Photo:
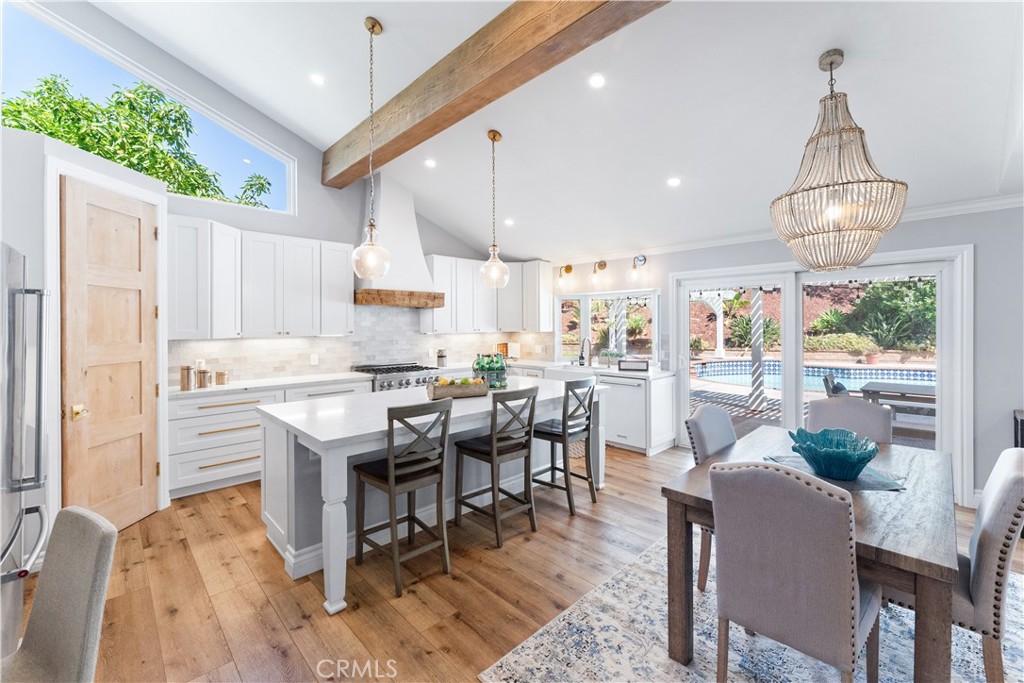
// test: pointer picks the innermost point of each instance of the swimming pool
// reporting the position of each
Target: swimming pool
(737, 372)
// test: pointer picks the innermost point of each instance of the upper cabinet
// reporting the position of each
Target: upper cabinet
(226, 283)
(524, 305)
(538, 297)
(188, 269)
(337, 290)
(510, 301)
(262, 284)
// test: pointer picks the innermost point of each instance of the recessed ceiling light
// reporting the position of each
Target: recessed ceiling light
(674, 182)
(596, 80)
(430, 163)
(317, 79)
(246, 161)
(509, 222)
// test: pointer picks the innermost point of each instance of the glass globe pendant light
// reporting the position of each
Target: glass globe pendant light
(494, 272)
(839, 205)
(371, 260)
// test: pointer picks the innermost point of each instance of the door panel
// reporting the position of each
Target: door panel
(108, 352)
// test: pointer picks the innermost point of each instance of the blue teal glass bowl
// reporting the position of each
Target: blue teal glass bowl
(834, 453)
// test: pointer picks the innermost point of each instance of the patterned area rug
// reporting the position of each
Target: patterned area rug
(618, 632)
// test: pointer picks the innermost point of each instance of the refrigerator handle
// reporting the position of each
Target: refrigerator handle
(38, 478)
(44, 530)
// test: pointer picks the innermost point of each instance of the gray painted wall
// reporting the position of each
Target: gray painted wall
(998, 239)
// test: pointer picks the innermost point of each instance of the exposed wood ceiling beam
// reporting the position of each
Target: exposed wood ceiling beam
(519, 44)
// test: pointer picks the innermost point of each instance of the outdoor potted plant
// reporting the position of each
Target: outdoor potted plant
(697, 346)
(871, 354)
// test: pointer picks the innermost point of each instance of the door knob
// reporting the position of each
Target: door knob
(78, 411)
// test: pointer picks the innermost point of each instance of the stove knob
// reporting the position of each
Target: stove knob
(390, 384)
(381, 385)
(407, 382)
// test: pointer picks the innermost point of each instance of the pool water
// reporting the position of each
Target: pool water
(737, 372)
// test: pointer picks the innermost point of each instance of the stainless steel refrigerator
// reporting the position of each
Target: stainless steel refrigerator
(23, 312)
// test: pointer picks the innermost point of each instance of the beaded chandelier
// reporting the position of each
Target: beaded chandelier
(839, 205)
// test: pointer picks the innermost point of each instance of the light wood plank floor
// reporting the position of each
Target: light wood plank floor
(198, 593)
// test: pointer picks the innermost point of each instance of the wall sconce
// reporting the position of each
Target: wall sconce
(594, 276)
(564, 273)
(638, 263)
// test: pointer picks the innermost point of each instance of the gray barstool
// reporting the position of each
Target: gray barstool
(577, 410)
(514, 411)
(415, 465)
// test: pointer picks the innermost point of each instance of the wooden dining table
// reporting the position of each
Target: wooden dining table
(905, 539)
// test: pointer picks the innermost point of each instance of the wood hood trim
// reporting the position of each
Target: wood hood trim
(400, 298)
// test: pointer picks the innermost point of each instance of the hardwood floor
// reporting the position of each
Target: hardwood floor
(197, 593)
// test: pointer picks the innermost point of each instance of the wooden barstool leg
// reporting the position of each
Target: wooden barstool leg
(552, 471)
(568, 477)
(590, 471)
(410, 505)
(360, 517)
(528, 491)
(442, 529)
(496, 499)
(458, 488)
(393, 511)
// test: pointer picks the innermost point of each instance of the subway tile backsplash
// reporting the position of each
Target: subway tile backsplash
(382, 335)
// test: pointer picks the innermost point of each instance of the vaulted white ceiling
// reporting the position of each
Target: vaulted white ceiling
(721, 95)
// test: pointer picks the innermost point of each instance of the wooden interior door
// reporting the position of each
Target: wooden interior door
(108, 352)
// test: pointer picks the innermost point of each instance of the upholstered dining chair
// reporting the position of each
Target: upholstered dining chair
(984, 572)
(865, 418)
(710, 430)
(418, 464)
(787, 565)
(62, 638)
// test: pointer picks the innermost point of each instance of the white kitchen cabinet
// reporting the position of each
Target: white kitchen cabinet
(327, 391)
(465, 284)
(337, 290)
(188, 285)
(301, 287)
(225, 281)
(485, 303)
(510, 301)
(538, 297)
(441, 320)
(262, 284)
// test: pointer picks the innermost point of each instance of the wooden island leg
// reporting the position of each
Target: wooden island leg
(680, 584)
(933, 629)
(334, 490)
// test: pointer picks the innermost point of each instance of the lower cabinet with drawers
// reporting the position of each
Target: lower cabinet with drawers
(216, 441)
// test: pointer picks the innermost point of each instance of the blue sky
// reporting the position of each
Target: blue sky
(32, 50)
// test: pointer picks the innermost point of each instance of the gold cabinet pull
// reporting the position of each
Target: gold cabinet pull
(227, 462)
(331, 393)
(228, 405)
(228, 429)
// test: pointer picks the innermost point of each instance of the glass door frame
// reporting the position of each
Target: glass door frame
(953, 268)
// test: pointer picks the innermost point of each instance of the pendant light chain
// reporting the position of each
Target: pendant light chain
(372, 188)
(494, 191)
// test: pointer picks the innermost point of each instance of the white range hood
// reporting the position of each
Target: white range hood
(407, 282)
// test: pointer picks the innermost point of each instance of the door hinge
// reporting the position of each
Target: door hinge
(158, 469)
(158, 390)
(156, 312)
(156, 233)
(62, 413)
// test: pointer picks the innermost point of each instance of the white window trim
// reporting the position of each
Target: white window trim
(114, 56)
(953, 267)
(585, 299)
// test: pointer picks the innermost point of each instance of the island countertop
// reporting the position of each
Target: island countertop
(329, 422)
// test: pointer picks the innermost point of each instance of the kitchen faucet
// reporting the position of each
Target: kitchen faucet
(585, 355)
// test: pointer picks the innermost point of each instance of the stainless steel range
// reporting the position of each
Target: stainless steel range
(389, 376)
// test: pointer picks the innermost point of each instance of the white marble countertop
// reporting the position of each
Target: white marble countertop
(272, 382)
(328, 422)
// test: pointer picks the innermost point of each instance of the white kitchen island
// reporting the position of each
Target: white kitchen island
(308, 450)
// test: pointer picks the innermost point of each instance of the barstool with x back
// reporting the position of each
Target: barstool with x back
(577, 411)
(514, 411)
(406, 468)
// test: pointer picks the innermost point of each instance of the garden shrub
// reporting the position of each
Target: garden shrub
(832, 321)
(741, 335)
(901, 314)
(845, 341)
